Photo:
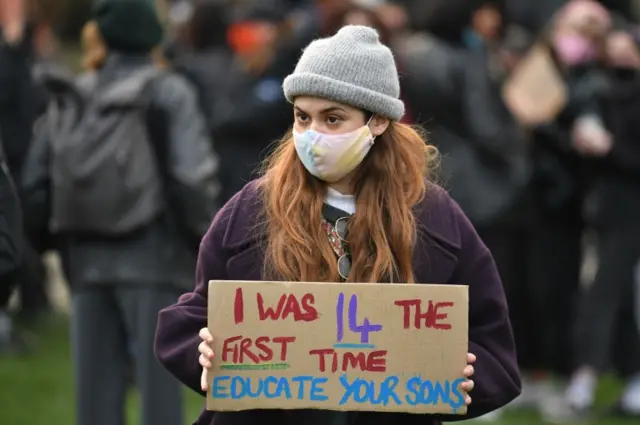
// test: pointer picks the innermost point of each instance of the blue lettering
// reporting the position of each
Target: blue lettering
(238, 387)
(388, 390)
(255, 394)
(441, 391)
(348, 390)
(217, 390)
(301, 380)
(416, 391)
(269, 387)
(413, 387)
(270, 380)
(317, 392)
(431, 393)
(457, 394)
(361, 391)
(283, 387)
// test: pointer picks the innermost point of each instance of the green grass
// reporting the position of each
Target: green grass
(38, 389)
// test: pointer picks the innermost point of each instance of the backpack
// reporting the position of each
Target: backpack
(104, 173)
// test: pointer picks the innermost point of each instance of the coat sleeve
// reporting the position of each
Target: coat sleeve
(497, 377)
(177, 340)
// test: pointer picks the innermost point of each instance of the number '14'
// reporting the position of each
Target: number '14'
(352, 313)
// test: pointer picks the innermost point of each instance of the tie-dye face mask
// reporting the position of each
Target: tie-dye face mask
(330, 157)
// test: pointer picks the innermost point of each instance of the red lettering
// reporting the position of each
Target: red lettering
(266, 351)
(283, 341)
(261, 350)
(226, 350)
(377, 361)
(406, 310)
(292, 307)
(288, 305)
(245, 351)
(270, 312)
(374, 361)
(310, 312)
(441, 316)
(321, 356)
(432, 317)
(238, 307)
(353, 360)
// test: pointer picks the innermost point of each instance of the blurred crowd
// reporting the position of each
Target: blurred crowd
(532, 105)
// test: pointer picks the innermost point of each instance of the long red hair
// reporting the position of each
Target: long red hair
(382, 234)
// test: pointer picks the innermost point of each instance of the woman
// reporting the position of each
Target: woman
(347, 157)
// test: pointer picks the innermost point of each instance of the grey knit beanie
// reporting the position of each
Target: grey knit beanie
(353, 68)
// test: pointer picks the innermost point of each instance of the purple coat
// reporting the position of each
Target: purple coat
(448, 251)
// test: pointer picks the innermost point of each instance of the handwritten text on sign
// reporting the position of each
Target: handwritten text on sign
(394, 348)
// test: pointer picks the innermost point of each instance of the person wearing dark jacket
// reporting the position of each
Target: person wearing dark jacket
(11, 248)
(203, 55)
(345, 91)
(251, 113)
(21, 102)
(453, 88)
(119, 283)
(617, 223)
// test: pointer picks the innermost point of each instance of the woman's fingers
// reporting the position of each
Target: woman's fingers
(206, 354)
(205, 335)
(205, 349)
(467, 400)
(204, 361)
(204, 379)
(471, 358)
(468, 385)
(468, 371)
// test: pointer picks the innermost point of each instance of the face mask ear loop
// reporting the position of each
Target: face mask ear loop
(367, 124)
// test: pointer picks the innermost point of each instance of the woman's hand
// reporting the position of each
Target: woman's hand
(206, 354)
(468, 372)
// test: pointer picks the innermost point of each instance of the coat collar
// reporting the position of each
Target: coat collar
(435, 222)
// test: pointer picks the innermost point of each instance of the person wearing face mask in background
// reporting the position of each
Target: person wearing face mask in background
(558, 189)
(617, 224)
(567, 154)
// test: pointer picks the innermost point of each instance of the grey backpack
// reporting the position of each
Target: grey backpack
(104, 169)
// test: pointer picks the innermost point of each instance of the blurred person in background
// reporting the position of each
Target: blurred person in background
(23, 42)
(559, 189)
(452, 84)
(566, 155)
(203, 55)
(121, 277)
(11, 247)
(617, 223)
(250, 113)
(564, 163)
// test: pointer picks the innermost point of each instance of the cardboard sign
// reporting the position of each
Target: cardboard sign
(535, 92)
(333, 346)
